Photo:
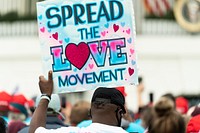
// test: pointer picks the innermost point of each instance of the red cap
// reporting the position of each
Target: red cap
(31, 103)
(194, 125)
(182, 105)
(17, 104)
(5, 100)
(122, 90)
(19, 99)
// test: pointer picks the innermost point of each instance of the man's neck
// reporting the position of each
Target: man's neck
(104, 120)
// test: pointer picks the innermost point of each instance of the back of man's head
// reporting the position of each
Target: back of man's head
(108, 102)
(109, 95)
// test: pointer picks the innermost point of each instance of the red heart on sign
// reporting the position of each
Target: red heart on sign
(77, 54)
(130, 71)
(42, 29)
(55, 36)
(116, 27)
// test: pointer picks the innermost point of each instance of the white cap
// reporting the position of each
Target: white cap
(53, 104)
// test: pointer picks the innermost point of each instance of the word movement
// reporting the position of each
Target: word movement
(90, 78)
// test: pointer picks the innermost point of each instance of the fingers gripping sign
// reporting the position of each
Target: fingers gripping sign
(46, 86)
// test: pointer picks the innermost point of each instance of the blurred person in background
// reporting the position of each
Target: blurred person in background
(18, 111)
(140, 90)
(194, 110)
(80, 113)
(171, 97)
(130, 126)
(66, 110)
(5, 100)
(2, 125)
(15, 126)
(53, 113)
(146, 117)
(140, 122)
(165, 118)
(141, 105)
(182, 105)
(31, 108)
(194, 125)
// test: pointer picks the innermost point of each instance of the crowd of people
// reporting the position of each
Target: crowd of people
(106, 113)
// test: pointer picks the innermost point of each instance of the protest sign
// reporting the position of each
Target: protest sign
(88, 43)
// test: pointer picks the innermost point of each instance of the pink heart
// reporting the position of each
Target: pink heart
(130, 71)
(55, 35)
(132, 51)
(128, 31)
(103, 33)
(60, 41)
(42, 29)
(116, 27)
(91, 66)
(77, 54)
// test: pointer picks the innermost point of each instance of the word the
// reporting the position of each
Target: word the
(89, 33)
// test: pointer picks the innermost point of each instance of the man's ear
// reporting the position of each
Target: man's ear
(119, 111)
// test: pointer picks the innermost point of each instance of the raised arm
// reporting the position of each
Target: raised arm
(140, 89)
(39, 116)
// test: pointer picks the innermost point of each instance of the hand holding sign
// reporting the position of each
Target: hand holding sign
(46, 86)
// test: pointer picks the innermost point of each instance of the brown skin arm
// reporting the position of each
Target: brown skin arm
(39, 116)
(140, 89)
